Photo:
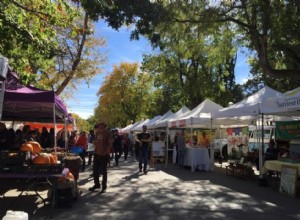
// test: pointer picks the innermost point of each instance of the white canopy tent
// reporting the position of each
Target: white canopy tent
(250, 106)
(248, 111)
(136, 125)
(199, 117)
(163, 123)
(139, 127)
(288, 104)
(166, 115)
(126, 129)
(245, 112)
(153, 120)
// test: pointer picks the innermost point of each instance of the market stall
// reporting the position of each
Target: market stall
(31, 162)
(162, 123)
(198, 118)
(196, 158)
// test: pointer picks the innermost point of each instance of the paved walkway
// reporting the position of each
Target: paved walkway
(167, 193)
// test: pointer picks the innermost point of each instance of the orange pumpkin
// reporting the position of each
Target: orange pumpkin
(36, 147)
(70, 176)
(66, 173)
(26, 147)
(42, 158)
(53, 158)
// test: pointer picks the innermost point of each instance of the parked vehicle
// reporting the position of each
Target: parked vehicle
(255, 137)
(220, 143)
(220, 148)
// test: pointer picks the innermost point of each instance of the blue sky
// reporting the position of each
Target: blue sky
(121, 49)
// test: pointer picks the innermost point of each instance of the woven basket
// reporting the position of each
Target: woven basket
(73, 163)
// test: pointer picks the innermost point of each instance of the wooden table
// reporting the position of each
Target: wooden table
(276, 165)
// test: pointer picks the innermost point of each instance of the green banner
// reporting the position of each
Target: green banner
(286, 130)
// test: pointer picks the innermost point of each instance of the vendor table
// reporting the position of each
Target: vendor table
(277, 164)
(195, 158)
(34, 181)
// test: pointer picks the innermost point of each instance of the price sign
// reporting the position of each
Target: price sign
(288, 180)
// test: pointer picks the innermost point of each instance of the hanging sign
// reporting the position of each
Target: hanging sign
(286, 130)
(182, 123)
(173, 124)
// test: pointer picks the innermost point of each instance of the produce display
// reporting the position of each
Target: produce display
(32, 158)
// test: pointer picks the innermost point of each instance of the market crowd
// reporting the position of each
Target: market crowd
(123, 143)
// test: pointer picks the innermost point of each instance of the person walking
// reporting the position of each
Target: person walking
(181, 148)
(117, 145)
(82, 141)
(126, 144)
(144, 139)
(103, 143)
(91, 149)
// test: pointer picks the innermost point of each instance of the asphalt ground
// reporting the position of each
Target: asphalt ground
(165, 193)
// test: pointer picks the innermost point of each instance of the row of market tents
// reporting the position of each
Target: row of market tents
(208, 114)
(266, 104)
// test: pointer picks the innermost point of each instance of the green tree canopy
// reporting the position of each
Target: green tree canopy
(124, 96)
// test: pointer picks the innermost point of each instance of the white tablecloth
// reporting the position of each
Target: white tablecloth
(195, 158)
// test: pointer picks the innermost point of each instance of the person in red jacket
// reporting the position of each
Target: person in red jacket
(82, 141)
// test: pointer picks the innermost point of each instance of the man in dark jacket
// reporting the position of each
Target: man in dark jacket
(144, 139)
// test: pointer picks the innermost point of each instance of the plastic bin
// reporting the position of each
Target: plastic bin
(15, 215)
(76, 150)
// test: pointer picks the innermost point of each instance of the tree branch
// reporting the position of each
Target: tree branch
(37, 13)
(77, 59)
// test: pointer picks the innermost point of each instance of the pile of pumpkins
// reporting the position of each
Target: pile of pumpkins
(39, 158)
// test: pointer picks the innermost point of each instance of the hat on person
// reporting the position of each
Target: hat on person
(99, 124)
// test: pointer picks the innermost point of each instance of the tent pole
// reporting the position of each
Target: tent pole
(212, 153)
(167, 151)
(66, 133)
(55, 128)
(191, 137)
(261, 180)
(261, 147)
(2, 98)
